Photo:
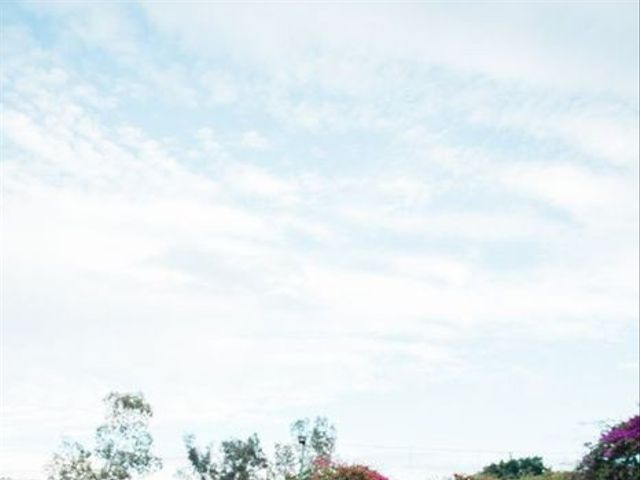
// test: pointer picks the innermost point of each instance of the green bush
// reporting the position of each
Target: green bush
(516, 468)
(544, 476)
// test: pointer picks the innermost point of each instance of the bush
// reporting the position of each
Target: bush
(616, 455)
(545, 476)
(328, 471)
(357, 472)
(516, 468)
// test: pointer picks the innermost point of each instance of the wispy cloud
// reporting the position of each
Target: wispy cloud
(248, 216)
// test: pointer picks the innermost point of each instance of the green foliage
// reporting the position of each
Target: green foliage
(616, 455)
(516, 468)
(124, 442)
(123, 451)
(123, 445)
(284, 461)
(245, 459)
(544, 476)
(242, 459)
(201, 461)
(237, 460)
(72, 462)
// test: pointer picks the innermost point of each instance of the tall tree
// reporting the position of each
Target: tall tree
(285, 465)
(201, 460)
(237, 460)
(72, 462)
(242, 459)
(123, 445)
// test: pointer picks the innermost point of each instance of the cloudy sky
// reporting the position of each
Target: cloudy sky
(420, 220)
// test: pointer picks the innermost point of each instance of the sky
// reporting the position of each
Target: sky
(417, 219)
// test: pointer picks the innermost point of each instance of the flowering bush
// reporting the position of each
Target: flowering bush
(616, 456)
(357, 472)
(622, 439)
(329, 471)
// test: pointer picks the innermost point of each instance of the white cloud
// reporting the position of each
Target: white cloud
(254, 141)
(609, 136)
(221, 87)
(604, 200)
(288, 280)
(517, 48)
(209, 142)
(613, 139)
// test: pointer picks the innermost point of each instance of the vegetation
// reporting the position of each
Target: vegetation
(239, 460)
(330, 471)
(516, 468)
(616, 455)
(123, 451)
(123, 445)
(544, 476)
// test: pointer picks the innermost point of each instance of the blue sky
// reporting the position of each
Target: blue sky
(420, 220)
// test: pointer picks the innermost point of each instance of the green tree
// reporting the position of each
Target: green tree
(516, 468)
(285, 461)
(123, 445)
(242, 459)
(72, 462)
(201, 460)
(238, 460)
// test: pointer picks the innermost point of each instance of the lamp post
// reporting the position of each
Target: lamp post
(302, 441)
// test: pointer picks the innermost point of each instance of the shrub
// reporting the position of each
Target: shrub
(327, 471)
(516, 468)
(616, 455)
(545, 476)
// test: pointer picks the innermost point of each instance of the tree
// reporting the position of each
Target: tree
(242, 459)
(72, 462)
(616, 455)
(516, 468)
(312, 444)
(201, 461)
(123, 445)
(238, 460)
(285, 461)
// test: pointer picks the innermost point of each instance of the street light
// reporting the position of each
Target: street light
(302, 441)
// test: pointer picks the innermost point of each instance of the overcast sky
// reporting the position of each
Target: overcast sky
(420, 220)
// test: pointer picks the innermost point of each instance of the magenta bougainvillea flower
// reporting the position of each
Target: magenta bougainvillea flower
(622, 439)
(629, 430)
(357, 472)
(325, 469)
(616, 455)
